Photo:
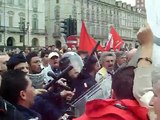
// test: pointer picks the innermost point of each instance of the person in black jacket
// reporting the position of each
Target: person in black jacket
(16, 87)
(8, 111)
(86, 78)
(53, 105)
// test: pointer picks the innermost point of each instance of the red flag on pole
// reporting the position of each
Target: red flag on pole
(94, 43)
(109, 44)
(87, 43)
(115, 40)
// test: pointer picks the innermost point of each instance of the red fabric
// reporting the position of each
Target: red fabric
(108, 45)
(87, 43)
(94, 43)
(105, 110)
(115, 40)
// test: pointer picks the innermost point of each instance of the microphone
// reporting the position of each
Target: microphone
(51, 74)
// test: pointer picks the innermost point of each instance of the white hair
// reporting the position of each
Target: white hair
(104, 54)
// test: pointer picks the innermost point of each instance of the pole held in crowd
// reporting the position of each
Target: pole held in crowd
(56, 78)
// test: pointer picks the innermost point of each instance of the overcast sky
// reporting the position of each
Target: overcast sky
(132, 2)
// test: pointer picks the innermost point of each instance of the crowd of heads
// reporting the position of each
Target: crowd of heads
(33, 62)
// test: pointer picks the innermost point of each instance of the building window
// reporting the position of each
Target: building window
(0, 37)
(11, 2)
(82, 13)
(21, 3)
(0, 2)
(87, 3)
(35, 22)
(0, 20)
(57, 12)
(35, 5)
(21, 38)
(22, 19)
(22, 23)
(74, 11)
(82, 2)
(10, 21)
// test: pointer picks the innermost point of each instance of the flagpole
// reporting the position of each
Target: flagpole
(97, 60)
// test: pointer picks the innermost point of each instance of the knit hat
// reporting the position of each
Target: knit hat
(15, 60)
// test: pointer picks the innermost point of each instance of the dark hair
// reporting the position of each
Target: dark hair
(122, 83)
(44, 52)
(30, 56)
(12, 83)
(91, 63)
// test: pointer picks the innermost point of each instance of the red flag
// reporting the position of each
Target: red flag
(94, 43)
(87, 43)
(109, 44)
(115, 40)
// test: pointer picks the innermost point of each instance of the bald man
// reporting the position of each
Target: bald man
(3, 60)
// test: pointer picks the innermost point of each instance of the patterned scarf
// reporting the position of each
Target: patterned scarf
(37, 79)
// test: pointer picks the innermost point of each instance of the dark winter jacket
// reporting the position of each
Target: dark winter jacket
(83, 83)
(50, 105)
(28, 113)
(8, 111)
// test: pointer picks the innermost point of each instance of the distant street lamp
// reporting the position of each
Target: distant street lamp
(23, 29)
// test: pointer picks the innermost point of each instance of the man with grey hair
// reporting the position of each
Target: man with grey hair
(103, 76)
(121, 59)
(107, 60)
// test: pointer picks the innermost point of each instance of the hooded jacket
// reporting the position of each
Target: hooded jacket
(112, 109)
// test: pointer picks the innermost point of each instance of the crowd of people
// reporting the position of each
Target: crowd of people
(129, 81)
